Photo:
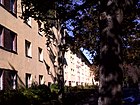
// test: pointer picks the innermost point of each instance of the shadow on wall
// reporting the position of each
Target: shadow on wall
(49, 71)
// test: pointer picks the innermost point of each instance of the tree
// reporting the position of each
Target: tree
(131, 75)
(99, 26)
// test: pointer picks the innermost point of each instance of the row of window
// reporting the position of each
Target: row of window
(29, 80)
(8, 79)
(77, 83)
(28, 50)
(11, 6)
(8, 41)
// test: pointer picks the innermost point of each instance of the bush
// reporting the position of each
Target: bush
(54, 88)
(13, 97)
(35, 95)
(38, 94)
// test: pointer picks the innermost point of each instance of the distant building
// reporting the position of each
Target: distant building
(77, 70)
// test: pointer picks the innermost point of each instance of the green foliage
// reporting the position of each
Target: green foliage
(35, 95)
(38, 93)
(54, 88)
(81, 18)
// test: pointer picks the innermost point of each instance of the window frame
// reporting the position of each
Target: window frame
(28, 80)
(1, 36)
(8, 39)
(8, 79)
(9, 6)
(40, 54)
(1, 79)
(41, 79)
(28, 49)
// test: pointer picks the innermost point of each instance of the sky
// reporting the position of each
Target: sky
(87, 54)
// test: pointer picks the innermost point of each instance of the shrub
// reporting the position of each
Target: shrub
(13, 97)
(54, 88)
(38, 94)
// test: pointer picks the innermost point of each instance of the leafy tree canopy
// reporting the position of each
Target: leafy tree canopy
(81, 19)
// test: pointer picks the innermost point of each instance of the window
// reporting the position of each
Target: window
(13, 5)
(8, 39)
(69, 83)
(1, 79)
(10, 5)
(41, 80)
(8, 79)
(1, 2)
(40, 54)
(1, 36)
(28, 50)
(28, 80)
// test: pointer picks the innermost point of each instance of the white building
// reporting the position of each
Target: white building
(77, 71)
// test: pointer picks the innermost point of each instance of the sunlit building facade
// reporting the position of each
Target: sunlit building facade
(77, 70)
(24, 56)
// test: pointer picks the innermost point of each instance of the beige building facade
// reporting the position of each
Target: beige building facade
(24, 56)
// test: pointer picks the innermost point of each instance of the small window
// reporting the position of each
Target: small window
(40, 54)
(1, 36)
(14, 80)
(1, 79)
(14, 41)
(13, 6)
(28, 50)
(41, 80)
(69, 83)
(28, 80)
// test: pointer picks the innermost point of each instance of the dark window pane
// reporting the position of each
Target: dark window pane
(7, 39)
(13, 41)
(9, 79)
(1, 36)
(28, 80)
(7, 4)
(13, 6)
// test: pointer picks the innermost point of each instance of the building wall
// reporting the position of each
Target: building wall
(76, 72)
(18, 61)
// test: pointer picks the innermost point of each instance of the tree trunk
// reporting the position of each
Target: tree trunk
(110, 56)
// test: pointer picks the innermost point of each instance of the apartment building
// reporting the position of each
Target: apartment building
(77, 71)
(24, 56)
